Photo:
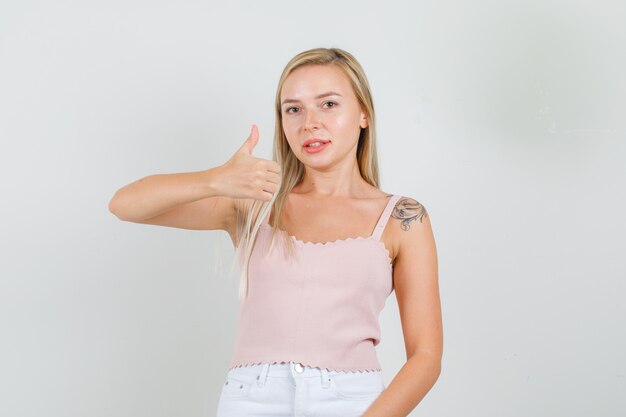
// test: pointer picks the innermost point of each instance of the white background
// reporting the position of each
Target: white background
(504, 118)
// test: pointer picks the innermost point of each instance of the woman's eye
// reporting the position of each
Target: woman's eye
(289, 109)
(331, 103)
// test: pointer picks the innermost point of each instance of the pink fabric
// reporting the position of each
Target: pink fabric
(322, 309)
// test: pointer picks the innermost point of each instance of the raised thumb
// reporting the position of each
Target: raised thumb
(251, 141)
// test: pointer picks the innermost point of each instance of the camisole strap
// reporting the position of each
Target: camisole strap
(384, 217)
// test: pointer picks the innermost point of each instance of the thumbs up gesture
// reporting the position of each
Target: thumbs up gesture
(246, 176)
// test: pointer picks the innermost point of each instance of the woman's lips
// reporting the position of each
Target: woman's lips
(315, 149)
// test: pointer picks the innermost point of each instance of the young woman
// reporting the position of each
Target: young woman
(321, 248)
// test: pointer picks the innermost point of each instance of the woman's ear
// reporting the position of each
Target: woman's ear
(364, 122)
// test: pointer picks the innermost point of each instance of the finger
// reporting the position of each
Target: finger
(273, 177)
(266, 196)
(270, 187)
(251, 141)
(273, 166)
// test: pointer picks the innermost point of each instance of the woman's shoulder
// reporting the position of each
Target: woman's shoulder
(409, 224)
(408, 209)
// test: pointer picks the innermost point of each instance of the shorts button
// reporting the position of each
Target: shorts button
(299, 368)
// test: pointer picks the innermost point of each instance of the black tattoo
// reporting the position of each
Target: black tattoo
(407, 210)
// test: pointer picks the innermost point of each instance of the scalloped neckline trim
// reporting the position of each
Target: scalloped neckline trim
(276, 362)
(336, 241)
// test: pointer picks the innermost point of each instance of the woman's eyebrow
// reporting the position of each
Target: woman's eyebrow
(330, 93)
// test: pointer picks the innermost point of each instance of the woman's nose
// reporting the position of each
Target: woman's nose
(311, 121)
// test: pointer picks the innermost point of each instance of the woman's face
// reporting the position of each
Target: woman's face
(318, 102)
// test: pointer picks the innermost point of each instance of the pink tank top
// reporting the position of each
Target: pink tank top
(322, 308)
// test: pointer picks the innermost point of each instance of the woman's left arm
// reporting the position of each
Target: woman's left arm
(417, 292)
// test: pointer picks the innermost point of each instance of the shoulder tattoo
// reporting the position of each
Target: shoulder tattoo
(407, 210)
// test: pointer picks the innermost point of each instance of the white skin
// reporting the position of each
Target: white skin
(339, 118)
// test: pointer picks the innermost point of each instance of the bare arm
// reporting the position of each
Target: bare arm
(202, 200)
(187, 200)
(416, 284)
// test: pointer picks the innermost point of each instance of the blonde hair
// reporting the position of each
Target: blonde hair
(250, 213)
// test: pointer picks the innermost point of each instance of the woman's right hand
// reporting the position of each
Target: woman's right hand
(246, 176)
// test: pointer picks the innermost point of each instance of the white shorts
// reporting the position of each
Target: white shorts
(293, 390)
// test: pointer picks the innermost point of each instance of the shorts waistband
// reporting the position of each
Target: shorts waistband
(290, 369)
(293, 370)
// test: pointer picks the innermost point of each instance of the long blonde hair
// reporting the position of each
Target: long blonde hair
(251, 215)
